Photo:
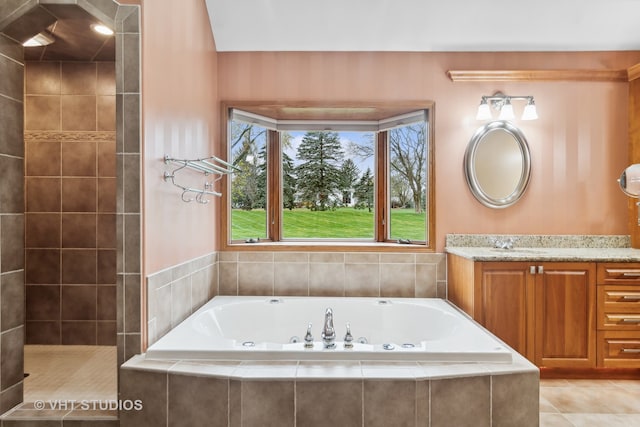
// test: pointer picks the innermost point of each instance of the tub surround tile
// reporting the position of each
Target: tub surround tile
(389, 403)
(291, 278)
(255, 278)
(326, 369)
(322, 403)
(331, 274)
(515, 398)
(145, 385)
(446, 396)
(345, 393)
(186, 392)
(176, 292)
(275, 398)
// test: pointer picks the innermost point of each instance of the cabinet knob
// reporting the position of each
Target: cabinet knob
(532, 269)
(540, 269)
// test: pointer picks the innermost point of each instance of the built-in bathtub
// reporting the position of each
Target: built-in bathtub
(267, 328)
(232, 363)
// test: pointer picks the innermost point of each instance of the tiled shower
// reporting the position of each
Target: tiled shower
(70, 209)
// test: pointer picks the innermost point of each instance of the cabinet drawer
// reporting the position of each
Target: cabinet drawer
(618, 273)
(618, 349)
(618, 307)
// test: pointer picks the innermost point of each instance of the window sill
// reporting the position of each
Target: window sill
(332, 246)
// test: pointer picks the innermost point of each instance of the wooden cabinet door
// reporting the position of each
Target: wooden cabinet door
(504, 294)
(565, 315)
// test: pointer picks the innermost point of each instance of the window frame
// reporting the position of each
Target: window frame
(325, 111)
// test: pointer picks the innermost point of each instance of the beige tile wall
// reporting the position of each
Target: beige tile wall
(175, 293)
(333, 274)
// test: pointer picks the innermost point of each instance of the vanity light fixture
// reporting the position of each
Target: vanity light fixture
(502, 103)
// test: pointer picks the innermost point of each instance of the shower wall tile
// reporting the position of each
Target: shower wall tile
(79, 303)
(42, 194)
(70, 231)
(78, 78)
(79, 230)
(42, 112)
(79, 194)
(11, 188)
(12, 244)
(42, 266)
(79, 266)
(43, 230)
(43, 78)
(42, 302)
(79, 113)
(12, 297)
(78, 158)
(43, 158)
(12, 81)
(11, 132)
(107, 158)
(43, 332)
(11, 357)
(78, 332)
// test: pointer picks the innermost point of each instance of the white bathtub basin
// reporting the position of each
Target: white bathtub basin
(261, 328)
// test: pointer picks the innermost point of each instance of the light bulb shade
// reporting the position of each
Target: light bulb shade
(506, 112)
(484, 112)
(530, 112)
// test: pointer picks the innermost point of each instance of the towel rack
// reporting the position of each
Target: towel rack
(208, 166)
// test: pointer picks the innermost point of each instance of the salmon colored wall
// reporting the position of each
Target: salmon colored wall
(578, 145)
(180, 119)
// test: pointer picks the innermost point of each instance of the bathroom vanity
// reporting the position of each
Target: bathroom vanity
(561, 307)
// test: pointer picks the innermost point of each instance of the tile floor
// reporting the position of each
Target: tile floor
(61, 378)
(589, 403)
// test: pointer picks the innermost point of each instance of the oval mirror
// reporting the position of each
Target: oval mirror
(497, 164)
(630, 181)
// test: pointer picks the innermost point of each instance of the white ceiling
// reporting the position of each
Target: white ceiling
(425, 25)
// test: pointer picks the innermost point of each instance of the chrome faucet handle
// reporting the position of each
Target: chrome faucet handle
(348, 338)
(308, 338)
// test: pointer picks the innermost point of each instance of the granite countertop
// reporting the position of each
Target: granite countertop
(546, 254)
(576, 248)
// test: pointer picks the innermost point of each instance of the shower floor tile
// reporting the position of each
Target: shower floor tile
(66, 373)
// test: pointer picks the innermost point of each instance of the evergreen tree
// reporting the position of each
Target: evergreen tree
(288, 182)
(349, 173)
(364, 191)
(318, 173)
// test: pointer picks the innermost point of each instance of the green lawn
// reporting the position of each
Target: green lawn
(343, 223)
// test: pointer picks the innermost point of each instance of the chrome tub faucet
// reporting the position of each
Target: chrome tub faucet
(328, 332)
